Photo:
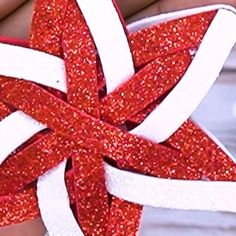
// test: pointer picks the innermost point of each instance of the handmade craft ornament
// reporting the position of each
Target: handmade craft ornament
(150, 76)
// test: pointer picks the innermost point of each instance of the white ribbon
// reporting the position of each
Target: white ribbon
(154, 20)
(169, 193)
(12, 136)
(110, 39)
(54, 203)
(198, 79)
(32, 65)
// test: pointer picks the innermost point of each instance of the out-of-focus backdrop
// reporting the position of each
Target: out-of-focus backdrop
(218, 113)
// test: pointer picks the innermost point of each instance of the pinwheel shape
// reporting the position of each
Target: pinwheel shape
(99, 117)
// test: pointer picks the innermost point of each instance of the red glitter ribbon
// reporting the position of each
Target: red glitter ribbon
(78, 131)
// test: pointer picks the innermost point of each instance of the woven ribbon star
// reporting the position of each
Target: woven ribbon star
(91, 101)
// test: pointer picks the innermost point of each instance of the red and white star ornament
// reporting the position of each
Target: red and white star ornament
(94, 117)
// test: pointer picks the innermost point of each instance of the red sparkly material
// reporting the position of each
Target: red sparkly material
(78, 132)
(50, 10)
(81, 67)
(32, 162)
(4, 111)
(46, 28)
(19, 207)
(212, 163)
(83, 129)
(160, 75)
(169, 37)
(122, 213)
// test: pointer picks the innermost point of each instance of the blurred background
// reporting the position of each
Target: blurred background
(218, 113)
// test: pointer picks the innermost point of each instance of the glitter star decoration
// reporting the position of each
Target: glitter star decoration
(86, 108)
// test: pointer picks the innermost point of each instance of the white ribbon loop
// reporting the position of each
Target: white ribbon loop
(177, 107)
(173, 194)
(40, 67)
(110, 39)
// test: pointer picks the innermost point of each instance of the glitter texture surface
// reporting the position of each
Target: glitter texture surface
(32, 162)
(18, 207)
(159, 76)
(169, 37)
(85, 128)
(4, 111)
(81, 66)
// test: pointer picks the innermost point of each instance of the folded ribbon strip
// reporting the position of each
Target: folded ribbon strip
(85, 127)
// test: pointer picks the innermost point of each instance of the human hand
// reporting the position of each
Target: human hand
(15, 15)
(163, 6)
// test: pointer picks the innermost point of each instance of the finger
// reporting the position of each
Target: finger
(164, 6)
(17, 25)
(170, 5)
(8, 6)
(32, 227)
(129, 7)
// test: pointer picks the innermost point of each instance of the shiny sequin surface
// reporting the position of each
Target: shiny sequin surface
(85, 128)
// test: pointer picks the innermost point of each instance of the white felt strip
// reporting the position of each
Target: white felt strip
(166, 193)
(200, 76)
(54, 203)
(32, 65)
(15, 130)
(111, 41)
